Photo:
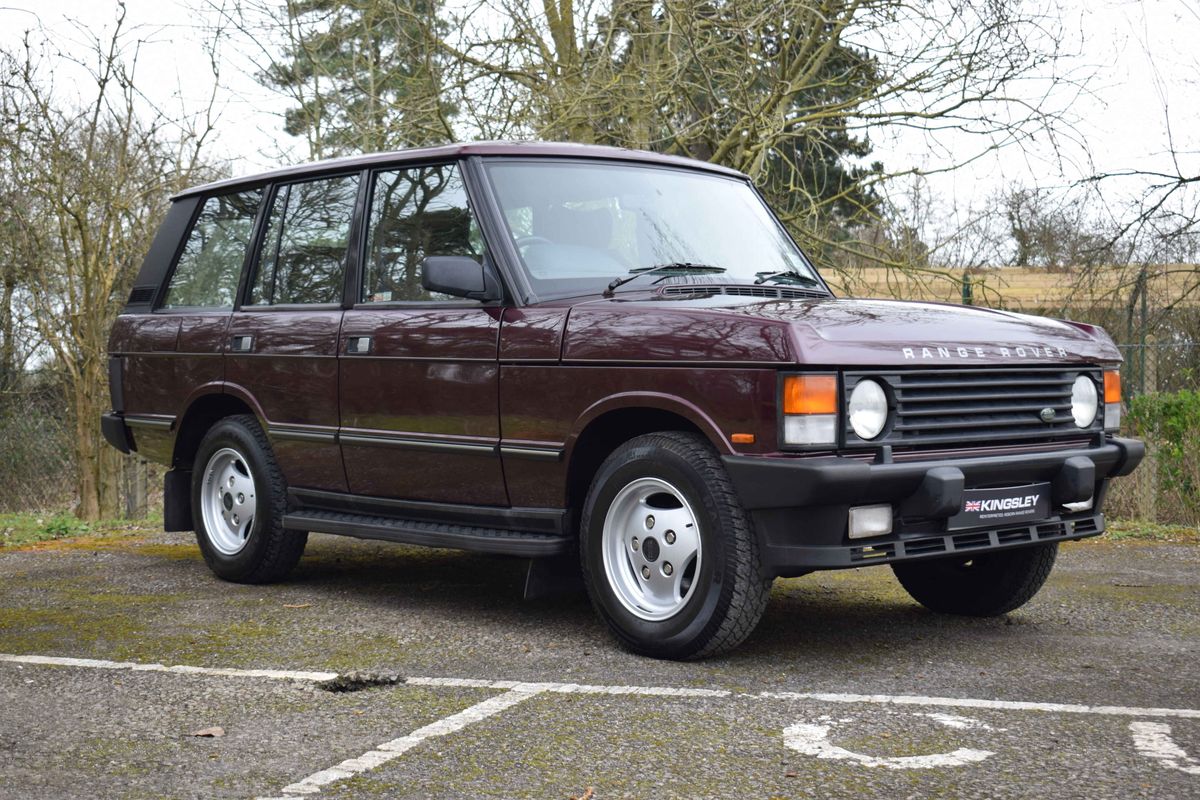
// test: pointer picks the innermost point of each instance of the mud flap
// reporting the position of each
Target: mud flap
(553, 576)
(177, 500)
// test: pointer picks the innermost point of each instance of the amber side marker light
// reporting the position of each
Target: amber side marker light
(1112, 400)
(810, 409)
(742, 438)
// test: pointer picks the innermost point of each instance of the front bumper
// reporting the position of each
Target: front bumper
(800, 505)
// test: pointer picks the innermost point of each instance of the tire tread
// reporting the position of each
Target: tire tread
(281, 548)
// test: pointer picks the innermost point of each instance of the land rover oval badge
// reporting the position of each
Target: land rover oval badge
(1047, 415)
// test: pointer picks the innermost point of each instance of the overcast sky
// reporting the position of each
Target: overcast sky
(1141, 53)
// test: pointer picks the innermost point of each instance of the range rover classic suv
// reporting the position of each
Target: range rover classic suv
(595, 358)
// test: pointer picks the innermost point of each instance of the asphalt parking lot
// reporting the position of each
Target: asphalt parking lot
(381, 671)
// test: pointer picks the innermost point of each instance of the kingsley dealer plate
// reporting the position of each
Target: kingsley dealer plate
(982, 507)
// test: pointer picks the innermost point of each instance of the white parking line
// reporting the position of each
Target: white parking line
(1152, 740)
(133, 666)
(999, 705)
(398, 747)
(651, 691)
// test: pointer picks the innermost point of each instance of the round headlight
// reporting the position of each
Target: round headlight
(1084, 401)
(868, 409)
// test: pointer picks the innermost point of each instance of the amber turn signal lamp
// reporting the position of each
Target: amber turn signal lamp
(1112, 386)
(810, 394)
(742, 438)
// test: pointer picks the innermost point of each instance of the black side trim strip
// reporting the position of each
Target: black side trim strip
(146, 421)
(286, 434)
(537, 520)
(424, 445)
(430, 534)
(531, 453)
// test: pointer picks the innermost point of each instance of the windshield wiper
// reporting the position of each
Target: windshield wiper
(673, 265)
(763, 277)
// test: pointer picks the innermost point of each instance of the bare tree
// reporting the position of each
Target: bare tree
(360, 75)
(788, 91)
(89, 179)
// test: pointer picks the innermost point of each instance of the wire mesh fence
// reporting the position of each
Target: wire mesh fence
(1161, 408)
(1160, 367)
(37, 459)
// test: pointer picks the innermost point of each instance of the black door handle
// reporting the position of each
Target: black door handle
(358, 345)
(241, 344)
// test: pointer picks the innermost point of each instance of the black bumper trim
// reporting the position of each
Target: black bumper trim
(115, 432)
(890, 549)
(927, 488)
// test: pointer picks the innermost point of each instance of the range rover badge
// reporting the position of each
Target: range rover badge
(1047, 415)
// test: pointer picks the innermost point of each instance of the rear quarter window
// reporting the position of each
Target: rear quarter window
(210, 264)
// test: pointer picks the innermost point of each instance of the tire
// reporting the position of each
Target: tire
(985, 585)
(240, 530)
(711, 600)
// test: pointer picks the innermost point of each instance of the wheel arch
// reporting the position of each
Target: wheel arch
(203, 411)
(610, 423)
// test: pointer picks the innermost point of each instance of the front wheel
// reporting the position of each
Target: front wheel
(238, 502)
(984, 585)
(670, 558)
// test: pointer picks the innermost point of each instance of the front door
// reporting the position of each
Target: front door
(419, 371)
(283, 341)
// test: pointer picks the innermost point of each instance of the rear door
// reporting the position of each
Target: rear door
(283, 340)
(175, 353)
(419, 375)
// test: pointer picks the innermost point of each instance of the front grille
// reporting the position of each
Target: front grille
(937, 408)
(768, 292)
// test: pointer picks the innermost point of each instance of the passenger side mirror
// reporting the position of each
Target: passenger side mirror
(460, 276)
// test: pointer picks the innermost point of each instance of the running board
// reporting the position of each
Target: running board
(429, 534)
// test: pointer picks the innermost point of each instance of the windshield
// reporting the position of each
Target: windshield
(580, 226)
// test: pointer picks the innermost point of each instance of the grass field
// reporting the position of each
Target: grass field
(1013, 287)
(24, 530)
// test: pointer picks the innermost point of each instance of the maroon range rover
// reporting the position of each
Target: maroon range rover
(542, 350)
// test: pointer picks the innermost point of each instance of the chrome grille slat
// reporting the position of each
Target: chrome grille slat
(949, 411)
(952, 406)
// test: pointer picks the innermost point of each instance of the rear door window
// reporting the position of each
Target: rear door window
(210, 264)
(303, 256)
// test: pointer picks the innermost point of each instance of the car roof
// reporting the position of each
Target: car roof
(452, 151)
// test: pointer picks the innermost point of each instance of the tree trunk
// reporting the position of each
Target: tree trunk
(8, 350)
(97, 464)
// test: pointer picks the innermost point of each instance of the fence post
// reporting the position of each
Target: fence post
(1149, 484)
(135, 487)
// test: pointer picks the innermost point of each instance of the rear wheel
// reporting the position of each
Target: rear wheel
(669, 556)
(984, 585)
(238, 503)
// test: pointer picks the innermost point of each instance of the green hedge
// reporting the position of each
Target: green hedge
(1170, 421)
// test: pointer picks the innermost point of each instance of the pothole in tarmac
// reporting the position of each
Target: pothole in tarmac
(359, 681)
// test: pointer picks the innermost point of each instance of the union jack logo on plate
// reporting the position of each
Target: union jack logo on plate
(972, 505)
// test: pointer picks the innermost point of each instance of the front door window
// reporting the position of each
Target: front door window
(417, 212)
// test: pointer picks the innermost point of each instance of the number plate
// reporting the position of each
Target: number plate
(989, 507)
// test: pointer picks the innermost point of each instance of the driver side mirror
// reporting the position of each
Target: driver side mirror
(460, 276)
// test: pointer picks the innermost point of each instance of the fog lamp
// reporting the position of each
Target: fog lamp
(868, 521)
